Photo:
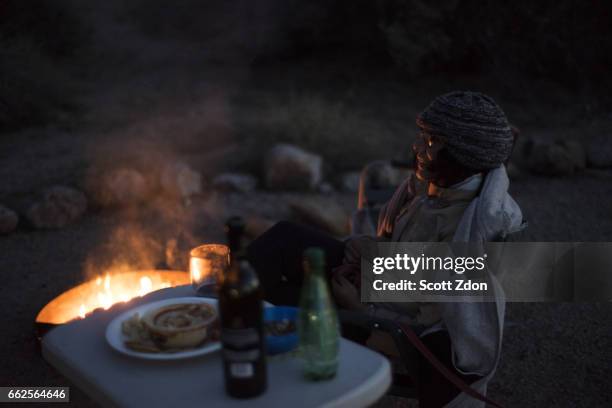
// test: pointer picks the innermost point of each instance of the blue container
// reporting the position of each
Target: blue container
(285, 342)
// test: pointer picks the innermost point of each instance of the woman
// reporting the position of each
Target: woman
(463, 142)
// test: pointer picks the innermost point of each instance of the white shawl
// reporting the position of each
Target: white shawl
(475, 328)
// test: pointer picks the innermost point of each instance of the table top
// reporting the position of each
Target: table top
(80, 352)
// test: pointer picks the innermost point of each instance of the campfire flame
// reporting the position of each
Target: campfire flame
(110, 294)
(105, 291)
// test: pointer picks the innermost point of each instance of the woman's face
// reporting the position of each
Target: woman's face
(426, 150)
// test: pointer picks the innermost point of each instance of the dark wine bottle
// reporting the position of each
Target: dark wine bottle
(241, 312)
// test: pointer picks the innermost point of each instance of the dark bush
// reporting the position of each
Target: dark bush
(566, 41)
(38, 40)
(33, 89)
(563, 40)
(195, 20)
(50, 25)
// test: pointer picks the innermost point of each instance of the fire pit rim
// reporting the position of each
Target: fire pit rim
(43, 321)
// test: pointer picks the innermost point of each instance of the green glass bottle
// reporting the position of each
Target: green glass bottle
(318, 329)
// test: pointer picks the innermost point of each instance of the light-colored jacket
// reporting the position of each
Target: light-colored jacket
(475, 328)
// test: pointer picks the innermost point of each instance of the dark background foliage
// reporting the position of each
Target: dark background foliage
(38, 40)
(566, 43)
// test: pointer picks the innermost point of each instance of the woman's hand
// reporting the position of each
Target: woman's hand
(345, 293)
(355, 248)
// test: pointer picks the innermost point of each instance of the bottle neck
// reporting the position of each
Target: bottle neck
(235, 229)
(234, 241)
(237, 258)
(314, 262)
(314, 271)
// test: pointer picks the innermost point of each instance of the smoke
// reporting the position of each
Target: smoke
(163, 123)
(155, 235)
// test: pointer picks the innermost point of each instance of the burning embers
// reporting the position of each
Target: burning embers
(155, 228)
(105, 291)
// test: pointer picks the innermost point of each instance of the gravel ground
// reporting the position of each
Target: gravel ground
(554, 354)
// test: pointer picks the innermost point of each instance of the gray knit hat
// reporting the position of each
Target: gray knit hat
(474, 128)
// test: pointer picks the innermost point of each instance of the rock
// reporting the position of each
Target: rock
(380, 175)
(325, 188)
(8, 220)
(287, 167)
(576, 151)
(599, 152)
(60, 206)
(321, 212)
(349, 182)
(237, 182)
(550, 159)
(255, 225)
(180, 180)
(402, 174)
(119, 187)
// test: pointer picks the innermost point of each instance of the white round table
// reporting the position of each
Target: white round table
(80, 352)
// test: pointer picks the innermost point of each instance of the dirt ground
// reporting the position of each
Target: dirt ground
(554, 354)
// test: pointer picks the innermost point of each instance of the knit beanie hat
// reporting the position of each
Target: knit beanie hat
(474, 128)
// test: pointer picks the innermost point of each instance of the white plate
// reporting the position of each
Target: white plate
(116, 339)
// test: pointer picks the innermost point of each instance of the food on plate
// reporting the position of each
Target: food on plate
(279, 327)
(171, 328)
(137, 337)
(180, 326)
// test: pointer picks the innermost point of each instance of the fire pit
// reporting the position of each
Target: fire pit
(103, 292)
